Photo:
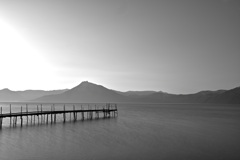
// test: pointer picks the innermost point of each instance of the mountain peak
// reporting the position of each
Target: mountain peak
(86, 92)
(85, 84)
(6, 89)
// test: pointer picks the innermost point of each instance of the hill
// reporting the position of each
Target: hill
(33, 94)
(136, 94)
(231, 96)
(86, 92)
(7, 95)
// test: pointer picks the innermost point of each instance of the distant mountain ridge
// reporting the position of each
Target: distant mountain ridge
(87, 92)
(7, 95)
(136, 93)
(33, 94)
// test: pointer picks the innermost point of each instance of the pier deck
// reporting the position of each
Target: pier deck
(107, 111)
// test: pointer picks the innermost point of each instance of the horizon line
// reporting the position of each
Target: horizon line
(118, 90)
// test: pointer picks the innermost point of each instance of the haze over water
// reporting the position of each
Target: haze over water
(141, 131)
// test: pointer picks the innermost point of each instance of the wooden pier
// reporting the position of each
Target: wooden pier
(50, 116)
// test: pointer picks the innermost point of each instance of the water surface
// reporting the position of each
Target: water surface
(141, 131)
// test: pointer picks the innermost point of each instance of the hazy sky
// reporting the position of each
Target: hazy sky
(176, 46)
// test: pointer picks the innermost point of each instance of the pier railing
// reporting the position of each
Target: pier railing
(40, 116)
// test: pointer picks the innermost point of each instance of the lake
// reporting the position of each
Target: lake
(141, 131)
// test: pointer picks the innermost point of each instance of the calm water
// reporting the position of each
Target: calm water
(141, 131)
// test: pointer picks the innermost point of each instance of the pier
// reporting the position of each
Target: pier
(40, 116)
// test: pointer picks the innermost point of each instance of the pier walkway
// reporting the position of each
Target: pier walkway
(44, 117)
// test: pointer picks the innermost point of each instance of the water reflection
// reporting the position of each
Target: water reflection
(140, 132)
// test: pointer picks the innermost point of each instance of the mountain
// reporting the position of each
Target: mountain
(161, 97)
(33, 94)
(86, 92)
(136, 94)
(7, 95)
(217, 97)
(157, 97)
(231, 96)
(89, 92)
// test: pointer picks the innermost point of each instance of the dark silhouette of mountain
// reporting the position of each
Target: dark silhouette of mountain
(231, 96)
(86, 92)
(161, 97)
(33, 94)
(136, 94)
(158, 97)
(210, 92)
(89, 92)
(7, 95)
(221, 96)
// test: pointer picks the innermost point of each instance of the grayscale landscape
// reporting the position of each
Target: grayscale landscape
(119, 80)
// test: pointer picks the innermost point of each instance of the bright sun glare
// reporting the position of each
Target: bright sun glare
(20, 63)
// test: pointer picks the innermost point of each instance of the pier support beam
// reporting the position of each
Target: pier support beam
(47, 119)
(21, 117)
(1, 119)
(64, 114)
(10, 115)
(27, 112)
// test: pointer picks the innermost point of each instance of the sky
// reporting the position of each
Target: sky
(175, 46)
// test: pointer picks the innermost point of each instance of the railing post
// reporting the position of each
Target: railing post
(1, 119)
(82, 113)
(38, 114)
(64, 114)
(51, 113)
(27, 112)
(21, 117)
(73, 113)
(55, 115)
(41, 114)
(10, 115)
